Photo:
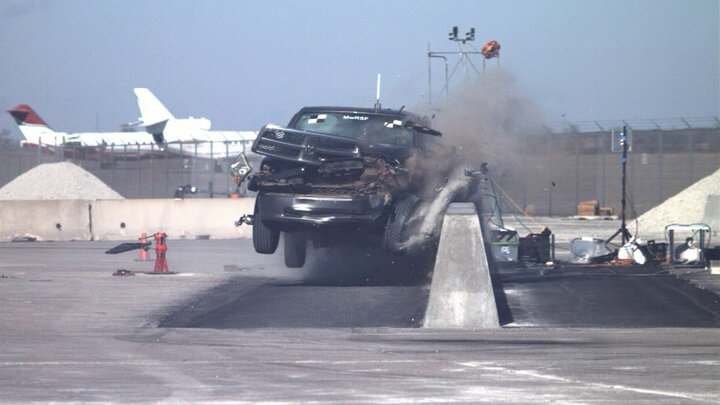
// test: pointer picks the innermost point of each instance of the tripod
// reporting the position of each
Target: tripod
(623, 232)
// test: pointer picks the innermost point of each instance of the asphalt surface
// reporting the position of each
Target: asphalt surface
(236, 327)
(605, 297)
(571, 297)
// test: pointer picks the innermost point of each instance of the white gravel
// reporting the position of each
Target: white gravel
(57, 181)
(686, 207)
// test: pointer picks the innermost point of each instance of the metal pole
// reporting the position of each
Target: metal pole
(212, 170)
(631, 160)
(524, 170)
(152, 170)
(691, 146)
(195, 171)
(112, 165)
(447, 78)
(623, 229)
(182, 166)
(577, 170)
(227, 163)
(429, 77)
(602, 175)
(125, 176)
(167, 170)
(39, 151)
(549, 164)
(138, 171)
(660, 167)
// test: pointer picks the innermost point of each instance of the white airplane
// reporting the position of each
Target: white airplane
(189, 136)
(38, 134)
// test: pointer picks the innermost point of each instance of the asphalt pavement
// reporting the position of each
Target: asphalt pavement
(237, 327)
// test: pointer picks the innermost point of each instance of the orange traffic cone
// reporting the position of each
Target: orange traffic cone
(143, 255)
(161, 266)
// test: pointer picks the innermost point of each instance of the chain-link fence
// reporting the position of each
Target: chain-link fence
(135, 171)
(550, 174)
(558, 170)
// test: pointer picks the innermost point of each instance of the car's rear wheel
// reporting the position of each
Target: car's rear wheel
(295, 249)
(395, 230)
(265, 239)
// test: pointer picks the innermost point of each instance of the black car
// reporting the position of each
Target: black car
(336, 169)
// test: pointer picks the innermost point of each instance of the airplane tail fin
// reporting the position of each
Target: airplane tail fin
(25, 115)
(34, 129)
(152, 111)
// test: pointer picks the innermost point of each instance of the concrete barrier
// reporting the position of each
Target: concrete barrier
(461, 293)
(180, 219)
(45, 220)
(124, 219)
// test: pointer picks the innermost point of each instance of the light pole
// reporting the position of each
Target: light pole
(490, 50)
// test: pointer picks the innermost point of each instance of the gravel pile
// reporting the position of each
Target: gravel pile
(57, 181)
(686, 207)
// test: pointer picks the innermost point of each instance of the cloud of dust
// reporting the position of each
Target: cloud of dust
(487, 119)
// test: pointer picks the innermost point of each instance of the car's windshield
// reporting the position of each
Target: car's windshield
(378, 129)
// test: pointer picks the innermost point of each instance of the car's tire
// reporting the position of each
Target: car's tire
(295, 248)
(265, 239)
(395, 229)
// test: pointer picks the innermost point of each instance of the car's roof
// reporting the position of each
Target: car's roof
(384, 111)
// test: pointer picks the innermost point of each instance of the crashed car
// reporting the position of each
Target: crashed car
(335, 169)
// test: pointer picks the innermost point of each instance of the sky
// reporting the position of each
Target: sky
(243, 64)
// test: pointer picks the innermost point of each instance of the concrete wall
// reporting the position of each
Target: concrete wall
(40, 219)
(124, 219)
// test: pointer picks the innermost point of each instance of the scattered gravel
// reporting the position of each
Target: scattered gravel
(686, 207)
(57, 181)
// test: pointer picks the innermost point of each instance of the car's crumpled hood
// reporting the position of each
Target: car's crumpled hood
(316, 148)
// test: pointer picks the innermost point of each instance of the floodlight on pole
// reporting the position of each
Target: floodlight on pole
(469, 36)
(461, 56)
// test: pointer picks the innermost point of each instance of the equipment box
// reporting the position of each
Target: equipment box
(535, 249)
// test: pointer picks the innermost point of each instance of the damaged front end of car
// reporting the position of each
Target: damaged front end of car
(308, 163)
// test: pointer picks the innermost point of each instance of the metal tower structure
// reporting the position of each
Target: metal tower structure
(460, 58)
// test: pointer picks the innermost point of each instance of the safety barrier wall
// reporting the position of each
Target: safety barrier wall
(124, 219)
(57, 220)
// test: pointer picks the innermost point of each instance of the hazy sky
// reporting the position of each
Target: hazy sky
(246, 63)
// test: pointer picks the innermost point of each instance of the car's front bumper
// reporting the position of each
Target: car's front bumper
(318, 210)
